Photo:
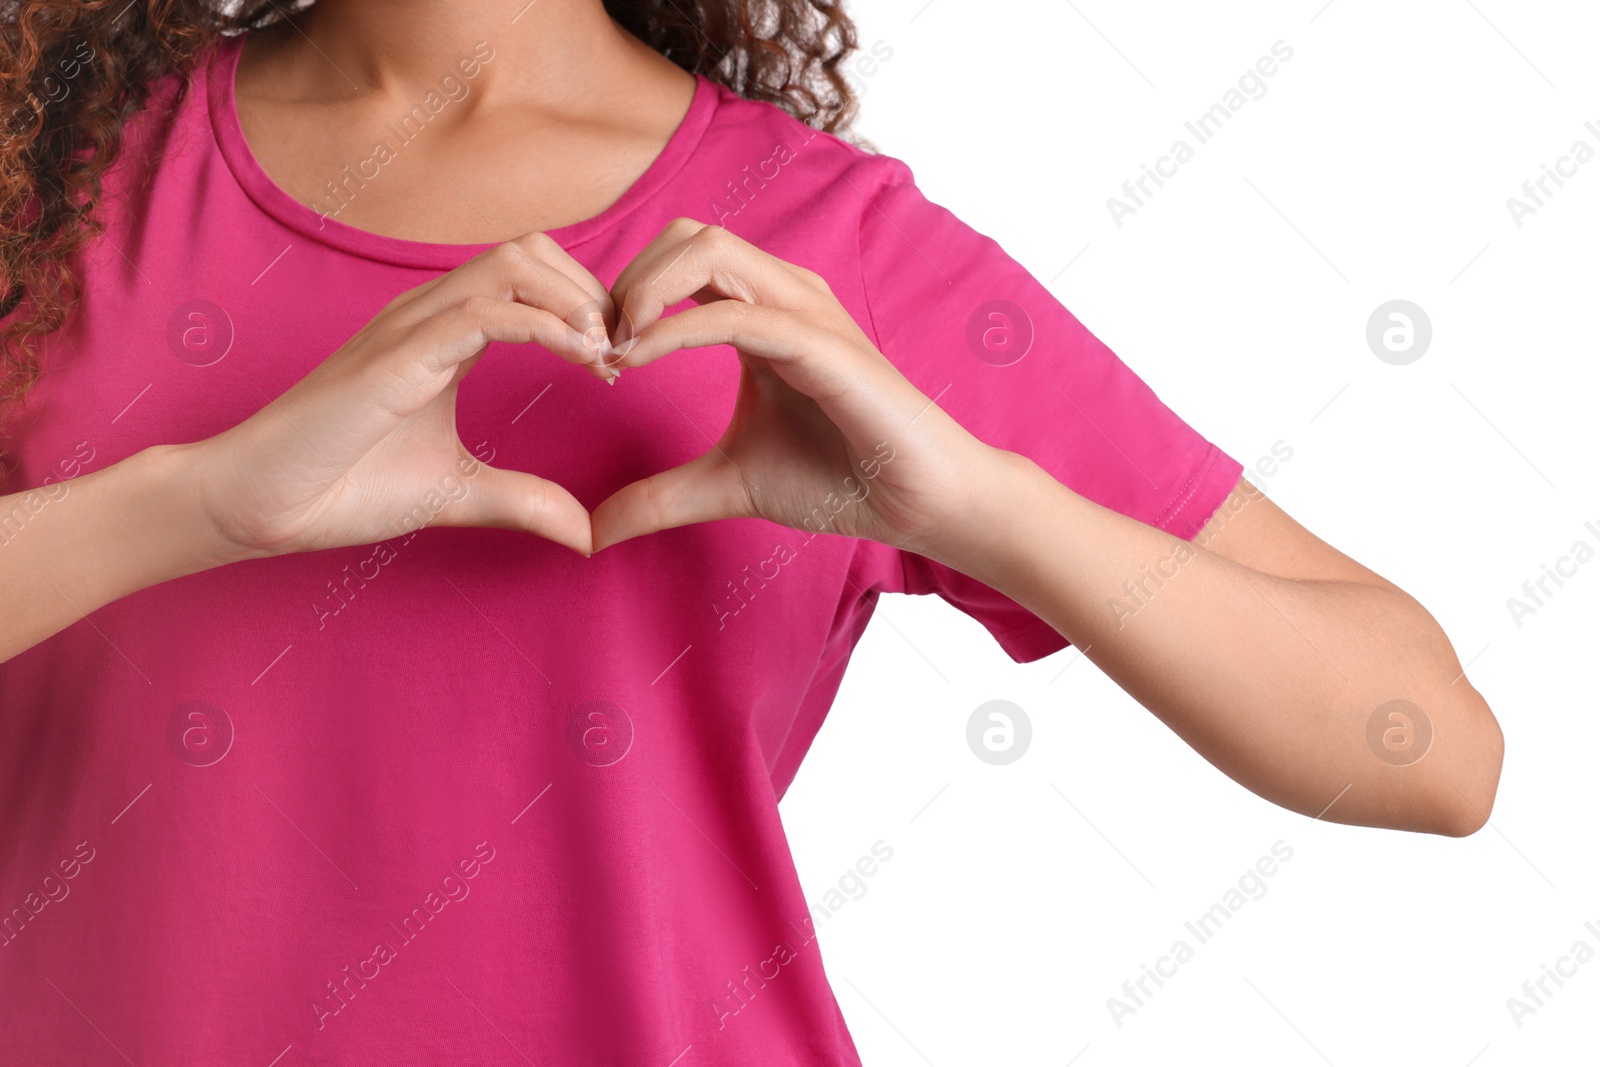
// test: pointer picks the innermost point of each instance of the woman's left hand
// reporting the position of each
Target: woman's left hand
(826, 434)
(1213, 659)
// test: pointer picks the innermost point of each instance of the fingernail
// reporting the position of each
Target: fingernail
(611, 381)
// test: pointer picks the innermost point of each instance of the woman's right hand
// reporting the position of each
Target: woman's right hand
(365, 447)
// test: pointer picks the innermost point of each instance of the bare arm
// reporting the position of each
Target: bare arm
(1267, 650)
(96, 539)
(361, 449)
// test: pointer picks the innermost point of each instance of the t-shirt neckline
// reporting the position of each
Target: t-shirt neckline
(270, 198)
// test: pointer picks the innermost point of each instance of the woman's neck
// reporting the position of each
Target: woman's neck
(550, 49)
(553, 112)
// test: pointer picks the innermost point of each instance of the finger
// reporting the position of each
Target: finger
(701, 490)
(859, 390)
(410, 296)
(461, 332)
(649, 259)
(768, 332)
(524, 265)
(596, 316)
(706, 264)
(667, 245)
(404, 374)
(548, 248)
(847, 386)
(534, 271)
(512, 500)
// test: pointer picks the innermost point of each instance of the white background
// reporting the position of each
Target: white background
(1376, 167)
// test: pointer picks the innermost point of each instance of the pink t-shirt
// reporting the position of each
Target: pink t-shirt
(464, 796)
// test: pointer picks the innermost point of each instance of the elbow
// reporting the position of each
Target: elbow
(1463, 806)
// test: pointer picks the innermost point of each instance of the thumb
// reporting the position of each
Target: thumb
(513, 500)
(701, 490)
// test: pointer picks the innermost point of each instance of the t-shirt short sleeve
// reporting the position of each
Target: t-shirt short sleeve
(972, 329)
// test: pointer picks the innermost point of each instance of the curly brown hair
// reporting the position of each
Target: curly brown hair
(73, 72)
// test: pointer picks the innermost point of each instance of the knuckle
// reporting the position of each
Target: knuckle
(401, 300)
(537, 243)
(791, 324)
(469, 317)
(656, 495)
(748, 322)
(635, 305)
(476, 309)
(746, 316)
(684, 227)
(520, 267)
(712, 237)
(509, 257)
(536, 503)
(815, 280)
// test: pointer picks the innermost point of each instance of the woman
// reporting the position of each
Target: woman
(387, 693)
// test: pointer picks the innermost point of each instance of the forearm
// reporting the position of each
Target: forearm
(71, 547)
(1273, 680)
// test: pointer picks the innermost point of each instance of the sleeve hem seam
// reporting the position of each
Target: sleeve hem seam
(1185, 496)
